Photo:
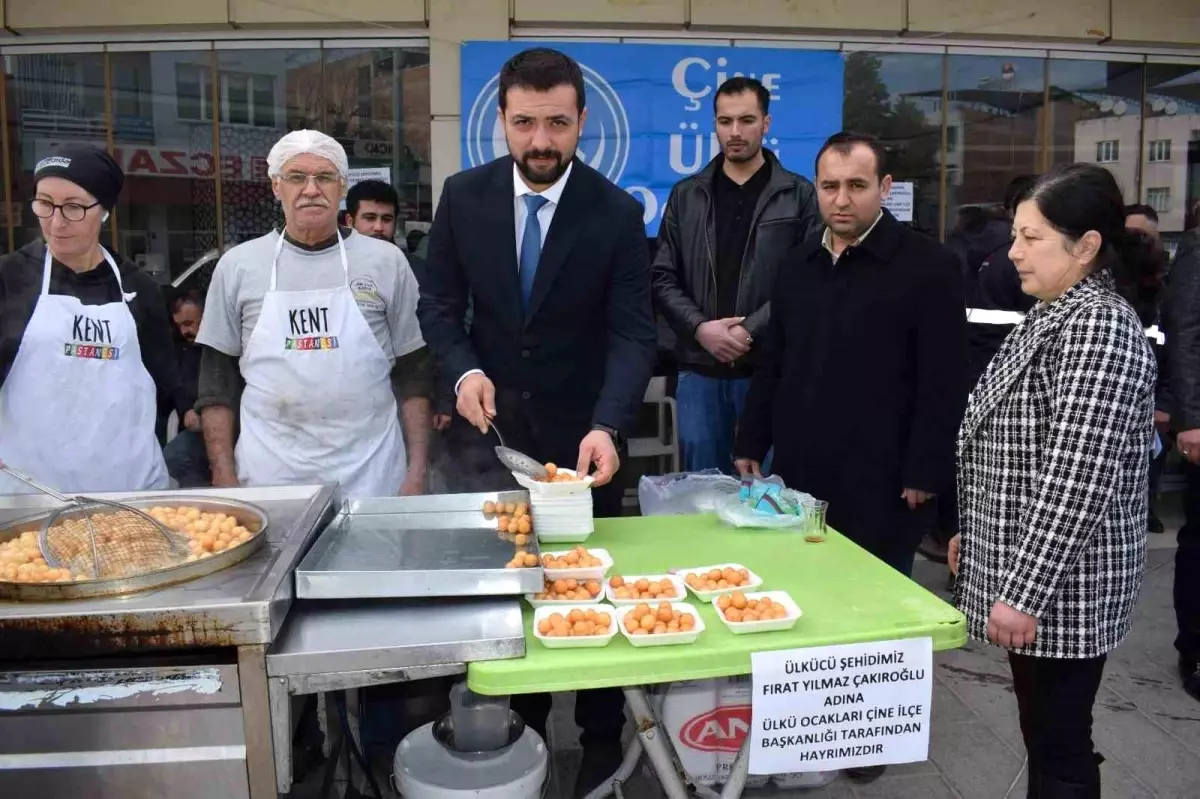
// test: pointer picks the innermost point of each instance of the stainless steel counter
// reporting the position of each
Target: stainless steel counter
(347, 644)
(433, 546)
(361, 636)
(242, 605)
(318, 646)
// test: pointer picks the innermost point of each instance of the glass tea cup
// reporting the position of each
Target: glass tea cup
(814, 520)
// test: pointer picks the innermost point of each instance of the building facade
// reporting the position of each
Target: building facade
(190, 96)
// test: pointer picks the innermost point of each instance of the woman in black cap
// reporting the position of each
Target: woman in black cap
(85, 346)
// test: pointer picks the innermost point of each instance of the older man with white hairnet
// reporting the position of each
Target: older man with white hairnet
(311, 331)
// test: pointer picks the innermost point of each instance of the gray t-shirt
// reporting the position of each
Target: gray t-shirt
(383, 284)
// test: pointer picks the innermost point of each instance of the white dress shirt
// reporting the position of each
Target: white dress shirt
(827, 238)
(545, 215)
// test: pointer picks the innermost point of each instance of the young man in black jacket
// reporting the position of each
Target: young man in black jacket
(723, 234)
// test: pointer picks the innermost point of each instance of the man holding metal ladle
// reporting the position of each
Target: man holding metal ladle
(561, 340)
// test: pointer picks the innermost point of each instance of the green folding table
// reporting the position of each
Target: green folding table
(845, 595)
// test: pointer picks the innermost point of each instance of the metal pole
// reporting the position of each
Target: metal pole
(962, 144)
(215, 100)
(4, 148)
(397, 117)
(654, 739)
(109, 140)
(738, 774)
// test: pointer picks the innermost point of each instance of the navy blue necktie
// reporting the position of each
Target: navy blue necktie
(531, 245)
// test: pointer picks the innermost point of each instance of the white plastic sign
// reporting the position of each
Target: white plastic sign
(836, 707)
(359, 174)
(900, 201)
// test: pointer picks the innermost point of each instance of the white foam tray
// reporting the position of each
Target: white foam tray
(563, 603)
(561, 536)
(564, 502)
(704, 596)
(574, 642)
(540, 489)
(584, 573)
(662, 639)
(772, 625)
(680, 591)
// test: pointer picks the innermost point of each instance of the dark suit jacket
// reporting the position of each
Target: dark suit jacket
(585, 350)
(861, 386)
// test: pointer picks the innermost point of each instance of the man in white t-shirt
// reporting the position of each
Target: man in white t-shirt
(311, 332)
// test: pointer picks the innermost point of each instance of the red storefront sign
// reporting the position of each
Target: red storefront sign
(175, 162)
(165, 162)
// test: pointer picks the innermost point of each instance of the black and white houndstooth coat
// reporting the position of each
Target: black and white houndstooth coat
(1053, 458)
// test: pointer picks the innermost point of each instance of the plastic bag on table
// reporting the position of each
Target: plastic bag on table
(763, 503)
(735, 513)
(685, 493)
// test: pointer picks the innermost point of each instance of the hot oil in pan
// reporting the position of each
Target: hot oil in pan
(251, 517)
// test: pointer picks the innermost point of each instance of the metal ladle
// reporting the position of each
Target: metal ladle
(517, 461)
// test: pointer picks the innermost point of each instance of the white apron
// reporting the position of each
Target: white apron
(77, 411)
(318, 404)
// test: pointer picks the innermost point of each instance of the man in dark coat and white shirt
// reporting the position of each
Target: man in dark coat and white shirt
(860, 391)
(859, 388)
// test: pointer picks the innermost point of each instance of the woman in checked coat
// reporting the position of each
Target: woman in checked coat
(1053, 457)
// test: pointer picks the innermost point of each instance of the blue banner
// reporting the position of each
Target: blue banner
(650, 112)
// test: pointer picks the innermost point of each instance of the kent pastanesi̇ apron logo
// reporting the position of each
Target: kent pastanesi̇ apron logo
(604, 145)
(310, 329)
(311, 343)
(92, 351)
(91, 338)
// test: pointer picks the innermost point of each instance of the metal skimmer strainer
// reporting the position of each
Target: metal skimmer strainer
(103, 540)
(517, 461)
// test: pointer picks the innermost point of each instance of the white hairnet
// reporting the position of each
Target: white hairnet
(299, 142)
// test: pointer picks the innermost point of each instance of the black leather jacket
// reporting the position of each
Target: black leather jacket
(1182, 320)
(684, 272)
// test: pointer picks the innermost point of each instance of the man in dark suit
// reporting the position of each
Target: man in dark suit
(561, 344)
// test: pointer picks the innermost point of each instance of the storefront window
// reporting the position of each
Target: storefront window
(161, 111)
(1171, 156)
(1095, 116)
(898, 97)
(995, 107)
(53, 99)
(262, 95)
(377, 106)
(162, 137)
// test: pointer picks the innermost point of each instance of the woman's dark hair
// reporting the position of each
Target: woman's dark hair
(1076, 198)
(1017, 188)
